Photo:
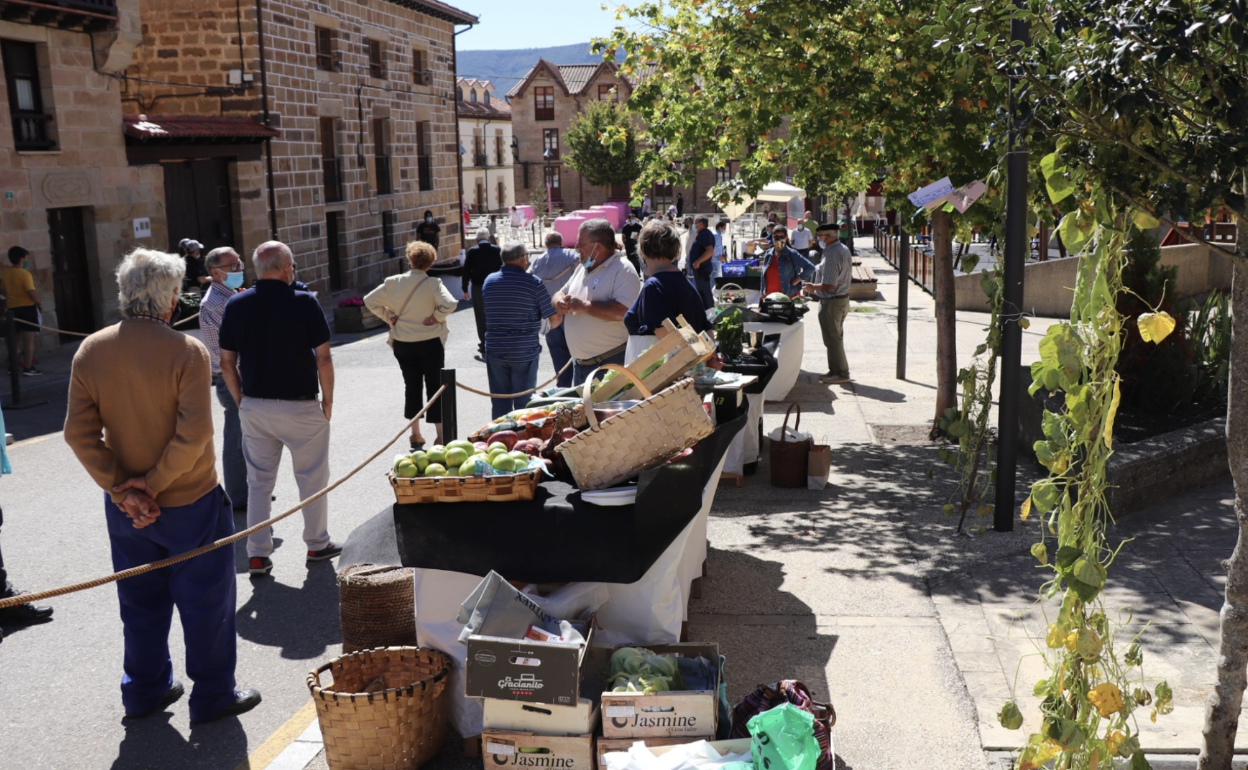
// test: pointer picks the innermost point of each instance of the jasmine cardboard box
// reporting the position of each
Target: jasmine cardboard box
(677, 714)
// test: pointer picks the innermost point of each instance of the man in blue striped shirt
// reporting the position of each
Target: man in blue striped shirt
(516, 303)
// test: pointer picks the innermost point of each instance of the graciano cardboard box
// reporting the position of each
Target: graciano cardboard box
(526, 670)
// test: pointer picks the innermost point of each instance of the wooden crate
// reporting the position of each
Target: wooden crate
(458, 489)
(687, 350)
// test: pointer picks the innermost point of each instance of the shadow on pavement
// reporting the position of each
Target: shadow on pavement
(154, 743)
(302, 621)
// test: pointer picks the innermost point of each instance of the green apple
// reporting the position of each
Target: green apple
(497, 446)
(406, 470)
(464, 445)
(420, 460)
(455, 456)
(469, 468)
(503, 462)
(521, 459)
(437, 454)
(435, 469)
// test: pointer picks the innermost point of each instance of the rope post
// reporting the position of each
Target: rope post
(450, 417)
(15, 376)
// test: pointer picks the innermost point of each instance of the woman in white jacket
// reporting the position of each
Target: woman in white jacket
(416, 305)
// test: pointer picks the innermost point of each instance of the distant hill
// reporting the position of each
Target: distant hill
(506, 68)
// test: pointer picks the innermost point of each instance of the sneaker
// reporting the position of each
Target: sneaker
(25, 613)
(31, 371)
(328, 552)
(244, 701)
(833, 379)
(260, 565)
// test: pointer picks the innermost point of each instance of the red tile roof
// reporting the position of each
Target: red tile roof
(206, 127)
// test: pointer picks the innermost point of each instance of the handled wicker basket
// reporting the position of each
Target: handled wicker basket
(664, 424)
(459, 489)
(387, 708)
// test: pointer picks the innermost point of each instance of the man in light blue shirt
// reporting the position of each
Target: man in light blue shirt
(554, 267)
(717, 256)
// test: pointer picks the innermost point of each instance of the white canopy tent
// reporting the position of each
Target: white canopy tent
(776, 192)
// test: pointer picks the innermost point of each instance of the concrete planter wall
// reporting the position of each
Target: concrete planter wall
(1149, 471)
(1048, 287)
(348, 320)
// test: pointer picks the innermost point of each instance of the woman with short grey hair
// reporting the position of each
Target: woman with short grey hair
(149, 283)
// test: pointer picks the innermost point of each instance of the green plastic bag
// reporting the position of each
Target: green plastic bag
(783, 738)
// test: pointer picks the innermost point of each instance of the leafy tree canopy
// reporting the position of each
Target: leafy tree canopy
(602, 145)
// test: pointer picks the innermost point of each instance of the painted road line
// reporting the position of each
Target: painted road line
(267, 752)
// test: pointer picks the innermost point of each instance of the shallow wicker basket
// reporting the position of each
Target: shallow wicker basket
(377, 607)
(465, 489)
(386, 709)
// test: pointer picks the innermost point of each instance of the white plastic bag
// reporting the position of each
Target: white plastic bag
(691, 756)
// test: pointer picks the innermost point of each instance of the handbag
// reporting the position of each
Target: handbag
(767, 696)
(393, 323)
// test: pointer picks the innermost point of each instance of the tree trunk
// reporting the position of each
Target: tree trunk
(1222, 710)
(946, 332)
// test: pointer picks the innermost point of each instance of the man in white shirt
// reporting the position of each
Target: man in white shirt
(646, 206)
(595, 300)
(801, 237)
(517, 217)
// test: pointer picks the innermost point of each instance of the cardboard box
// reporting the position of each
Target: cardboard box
(659, 746)
(525, 670)
(542, 718)
(502, 749)
(685, 714)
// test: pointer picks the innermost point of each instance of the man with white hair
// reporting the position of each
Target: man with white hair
(274, 354)
(139, 420)
(481, 261)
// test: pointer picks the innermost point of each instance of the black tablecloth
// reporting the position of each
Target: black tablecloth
(556, 537)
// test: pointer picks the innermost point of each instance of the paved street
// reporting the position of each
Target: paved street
(862, 589)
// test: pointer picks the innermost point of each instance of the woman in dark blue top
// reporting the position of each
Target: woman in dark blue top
(667, 293)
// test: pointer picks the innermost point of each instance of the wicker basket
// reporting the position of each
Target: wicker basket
(386, 709)
(377, 607)
(789, 458)
(663, 425)
(459, 489)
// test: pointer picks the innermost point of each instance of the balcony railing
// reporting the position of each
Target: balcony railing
(30, 131)
(424, 171)
(480, 159)
(384, 187)
(544, 113)
(90, 15)
(332, 168)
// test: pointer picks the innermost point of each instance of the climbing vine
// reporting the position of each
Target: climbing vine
(1096, 686)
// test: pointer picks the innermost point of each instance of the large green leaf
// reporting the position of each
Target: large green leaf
(1059, 185)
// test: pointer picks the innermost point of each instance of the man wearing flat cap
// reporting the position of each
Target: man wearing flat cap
(830, 286)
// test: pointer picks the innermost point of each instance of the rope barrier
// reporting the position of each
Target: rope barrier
(528, 392)
(188, 319)
(13, 601)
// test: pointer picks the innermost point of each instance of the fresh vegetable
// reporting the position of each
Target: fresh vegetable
(634, 669)
(778, 296)
(507, 438)
(570, 433)
(730, 334)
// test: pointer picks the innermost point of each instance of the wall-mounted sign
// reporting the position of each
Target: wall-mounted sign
(143, 227)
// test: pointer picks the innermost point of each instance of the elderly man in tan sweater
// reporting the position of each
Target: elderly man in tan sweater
(140, 421)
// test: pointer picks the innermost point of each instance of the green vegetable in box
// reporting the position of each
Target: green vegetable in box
(778, 296)
(634, 669)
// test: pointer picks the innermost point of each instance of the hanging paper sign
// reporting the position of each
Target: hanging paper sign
(924, 195)
(966, 195)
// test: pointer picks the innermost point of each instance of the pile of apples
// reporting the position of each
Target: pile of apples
(505, 452)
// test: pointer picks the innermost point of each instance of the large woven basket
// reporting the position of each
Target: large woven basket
(386, 709)
(469, 489)
(662, 425)
(376, 607)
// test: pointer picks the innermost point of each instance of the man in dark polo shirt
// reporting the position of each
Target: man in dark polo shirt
(274, 358)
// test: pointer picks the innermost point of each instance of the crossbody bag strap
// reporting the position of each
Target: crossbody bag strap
(411, 294)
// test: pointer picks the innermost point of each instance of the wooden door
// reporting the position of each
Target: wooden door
(333, 222)
(198, 203)
(71, 282)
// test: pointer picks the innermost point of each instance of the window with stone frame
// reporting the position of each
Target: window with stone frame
(387, 233)
(499, 151)
(608, 93)
(550, 141)
(424, 158)
(723, 175)
(26, 100)
(552, 179)
(472, 96)
(419, 76)
(543, 102)
(381, 154)
(325, 58)
(375, 64)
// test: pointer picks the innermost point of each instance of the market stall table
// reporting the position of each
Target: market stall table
(788, 355)
(646, 554)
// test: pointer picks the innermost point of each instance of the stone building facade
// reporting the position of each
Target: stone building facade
(543, 106)
(485, 146)
(357, 97)
(67, 192)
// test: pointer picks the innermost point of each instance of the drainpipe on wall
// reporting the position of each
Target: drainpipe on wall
(459, 158)
(264, 96)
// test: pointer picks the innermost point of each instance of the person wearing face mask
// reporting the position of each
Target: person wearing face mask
(595, 299)
(830, 285)
(275, 357)
(225, 268)
(427, 230)
(630, 232)
(23, 300)
(784, 268)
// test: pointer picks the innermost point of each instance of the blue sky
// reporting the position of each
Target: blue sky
(510, 24)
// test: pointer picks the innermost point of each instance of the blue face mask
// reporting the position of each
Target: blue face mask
(589, 263)
(233, 280)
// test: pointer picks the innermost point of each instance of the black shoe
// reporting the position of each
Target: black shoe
(244, 701)
(328, 552)
(25, 613)
(417, 446)
(171, 697)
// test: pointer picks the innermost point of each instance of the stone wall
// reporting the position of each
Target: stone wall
(197, 41)
(87, 169)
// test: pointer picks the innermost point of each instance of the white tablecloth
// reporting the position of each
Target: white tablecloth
(650, 610)
(744, 448)
(788, 355)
